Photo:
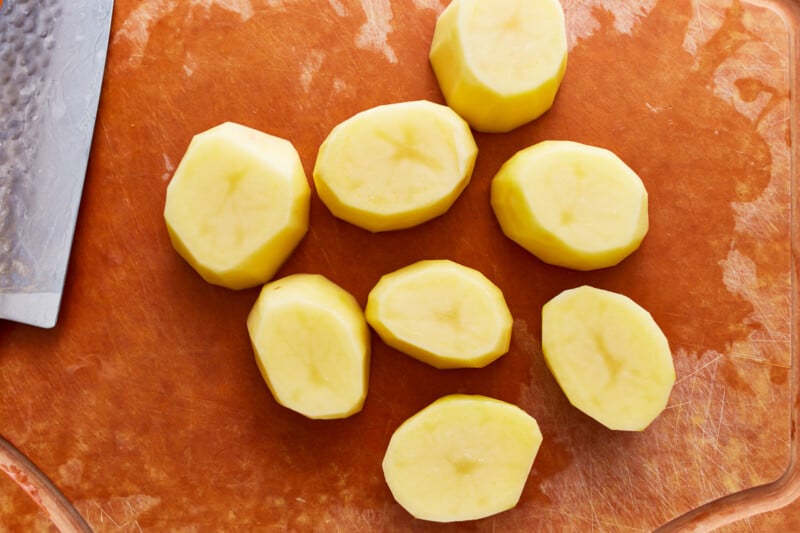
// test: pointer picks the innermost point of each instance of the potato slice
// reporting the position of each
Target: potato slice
(499, 64)
(312, 346)
(461, 458)
(395, 166)
(609, 357)
(237, 205)
(571, 204)
(442, 313)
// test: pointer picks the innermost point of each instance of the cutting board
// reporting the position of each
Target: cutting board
(145, 404)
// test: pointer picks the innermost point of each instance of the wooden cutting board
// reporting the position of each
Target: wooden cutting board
(146, 407)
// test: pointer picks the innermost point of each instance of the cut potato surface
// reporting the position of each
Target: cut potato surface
(395, 166)
(442, 313)
(461, 458)
(609, 356)
(237, 205)
(571, 204)
(312, 346)
(500, 63)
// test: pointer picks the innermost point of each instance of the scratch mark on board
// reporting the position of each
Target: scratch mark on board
(169, 168)
(338, 8)
(429, 4)
(309, 67)
(716, 359)
(135, 29)
(582, 22)
(374, 33)
(121, 512)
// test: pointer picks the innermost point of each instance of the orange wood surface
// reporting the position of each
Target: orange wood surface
(145, 404)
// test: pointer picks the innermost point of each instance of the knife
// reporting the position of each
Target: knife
(52, 59)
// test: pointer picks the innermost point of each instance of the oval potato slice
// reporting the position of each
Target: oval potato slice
(237, 205)
(395, 166)
(442, 313)
(571, 204)
(500, 63)
(461, 458)
(311, 345)
(609, 356)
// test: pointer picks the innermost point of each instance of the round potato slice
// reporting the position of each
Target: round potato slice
(609, 356)
(395, 166)
(441, 313)
(500, 63)
(312, 346)
(461, 458)
(237, 205)
(571, 204)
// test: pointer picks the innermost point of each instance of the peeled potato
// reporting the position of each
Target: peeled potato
(442, 313)
(395, 166)
(609, 356)
(237, 205)
(571, 204)
(500, 63)
(461, 458)
(312, 346)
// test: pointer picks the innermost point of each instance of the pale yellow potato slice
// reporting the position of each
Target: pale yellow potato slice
(237, 205)
(500, 63)
(395, 166)
(312, 346)
(609, 356)
(442, 313)
(461, 458)
(571, 204)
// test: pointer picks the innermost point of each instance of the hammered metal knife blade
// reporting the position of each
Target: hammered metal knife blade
(52, 59)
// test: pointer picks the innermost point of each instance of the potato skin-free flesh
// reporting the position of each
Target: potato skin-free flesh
(395, 166)
(571, 204)
(499, 63)
(442, 313)
(463, 457)
(237, 205)
(608, 355)
(312, 346)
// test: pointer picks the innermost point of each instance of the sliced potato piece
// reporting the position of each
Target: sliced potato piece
(609, 356)
(237, 205)
(395, 166)
(461, 458)
(442, 313)
(571, 204)
(499, 64)
(312, 346)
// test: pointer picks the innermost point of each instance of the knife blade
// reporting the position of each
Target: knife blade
(52, 60)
